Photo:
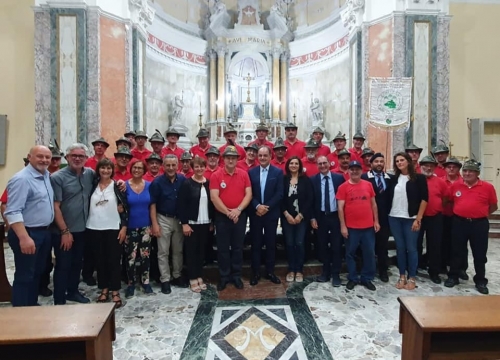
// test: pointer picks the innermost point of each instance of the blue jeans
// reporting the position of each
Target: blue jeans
(406, 245)
(294, 239)
(68, 267)
(28, 267)
(364, 238)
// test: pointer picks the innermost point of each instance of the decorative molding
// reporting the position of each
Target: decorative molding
(352, 14)
(477, 2)
(141, 14)
(175, 52)
(320, 54)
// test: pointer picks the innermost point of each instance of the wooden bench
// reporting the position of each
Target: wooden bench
(452, 327)
(77, 332)
(5, 288)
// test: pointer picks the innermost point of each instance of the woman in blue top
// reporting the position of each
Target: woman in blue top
(138, 243)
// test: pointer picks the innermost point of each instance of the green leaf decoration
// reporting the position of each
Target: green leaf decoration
(390, 104)
(388, 121)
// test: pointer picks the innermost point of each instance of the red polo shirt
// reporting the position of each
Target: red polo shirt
(356, 155)
(281, 165)
(167, 151)
(259, 144)
(150, 177)
(209, 172)
(324, 150)
(189, 174)
(345, 174)
(448, 208)
(473, 202)
(198, 151)
(437, 192)
(141, 155)
(122, 175)
(365, 168)
(333, 159)
(241, 151)
(231, 187)
(417, 168)
(3, 199)
(92, 162)
(242, 164)
(295, 149)
(440, 171)
(310, 167)
(358, 212)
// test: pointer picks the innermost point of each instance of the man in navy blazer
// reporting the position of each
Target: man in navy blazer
(264, 212)
(326, 220)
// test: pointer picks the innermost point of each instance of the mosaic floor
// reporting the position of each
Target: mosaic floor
(301, 321)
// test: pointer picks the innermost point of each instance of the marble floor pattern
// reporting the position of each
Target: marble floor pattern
(298, 321)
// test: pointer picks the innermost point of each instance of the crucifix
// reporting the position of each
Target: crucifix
(248, 78)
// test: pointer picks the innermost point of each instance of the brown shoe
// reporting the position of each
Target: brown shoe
(290, 277)
(401, 284)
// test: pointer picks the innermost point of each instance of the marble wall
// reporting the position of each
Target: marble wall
(331, 86)
(162, 83)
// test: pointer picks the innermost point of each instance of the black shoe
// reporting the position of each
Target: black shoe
(451, 282)
(336, 280)
(436, 279)
(384, 277)
(165, 288)
(77, 297)
(90, 281)
(350, 285)
(46, 292)
(323, 278)
(222, 285)
(482, 288)
(179, 282)
(462, 275)
(238, 284)
(369, 285)
(254, 279)
(273, 278)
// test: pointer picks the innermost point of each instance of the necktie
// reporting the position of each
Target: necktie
(380, 185)
(263, 177)
(327, 195)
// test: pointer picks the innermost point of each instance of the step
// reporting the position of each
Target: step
(494, 233)
(494, 216)
(494, 224)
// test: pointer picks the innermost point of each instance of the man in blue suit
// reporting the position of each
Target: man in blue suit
(326, 220)
(264, 212)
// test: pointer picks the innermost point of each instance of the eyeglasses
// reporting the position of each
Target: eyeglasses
(75, 156)
(323, 163)
(101, 202)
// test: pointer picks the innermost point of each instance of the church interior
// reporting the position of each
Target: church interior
(77, 70)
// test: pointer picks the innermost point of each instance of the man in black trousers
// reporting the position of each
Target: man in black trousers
(384, 189)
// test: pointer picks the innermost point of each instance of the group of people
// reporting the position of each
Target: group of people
(129, 215)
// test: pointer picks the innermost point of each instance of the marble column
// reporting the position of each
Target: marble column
(276, 84)
(221, 84)
(213, 85)
(284, 85)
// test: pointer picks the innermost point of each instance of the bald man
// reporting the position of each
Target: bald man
(30, 211)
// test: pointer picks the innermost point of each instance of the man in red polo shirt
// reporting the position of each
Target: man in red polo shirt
(212, 155)
(262, 131)
(441, 153)
(203, 144)
(295, 147)
(344, 158)
(453, 166)
(366, 156)
(339, 141)
(186, 168)
(279, 159)
(317, 135)
(172, 148)
(414, 151)
(250, 160)
(310, 167)
(358, 216)
(100, 146)
(139, 151)
(230, 135)
(122, 157)
(432, 222)
(356, 151)
(473, 201)
(154, 162)
(230, 192)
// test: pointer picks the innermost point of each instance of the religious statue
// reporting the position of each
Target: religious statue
(218, 8)
(178, 107)
(317, 112)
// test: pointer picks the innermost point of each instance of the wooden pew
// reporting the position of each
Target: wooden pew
(77, 332)
(5, 288)
(453, 327)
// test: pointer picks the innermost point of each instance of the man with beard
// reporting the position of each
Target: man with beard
(122, 159)
(432, 222)
(366, 156)
(317, 136)
(230, 135)
(414, 152)
(295, 147)
(441, 153)
(344, 158)
(383, 185)
(310, 167)
(250, 161)
(262, 131)
(339, 141)
(279, 150)
(212, 155)
(139, 151)
(186, 168)
(473, 201)
(154, 167)
(100, 146)
(356, 151)
(29, 212)
(203, 145)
